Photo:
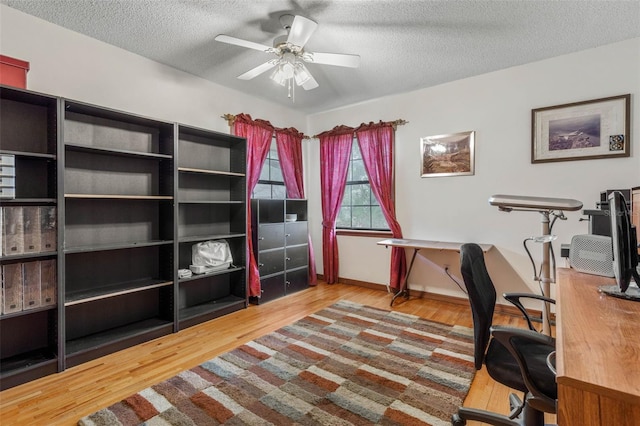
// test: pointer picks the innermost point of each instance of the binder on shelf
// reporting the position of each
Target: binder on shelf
(12, 231)
(7, 192)
(7, 171)
(7, 182)
(7, 176)
(7, 160)
(47, 228)
(31, 224)
(12, 288)
(48, 280)
(31, 285)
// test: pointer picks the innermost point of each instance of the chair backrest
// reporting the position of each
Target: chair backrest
(482, 297)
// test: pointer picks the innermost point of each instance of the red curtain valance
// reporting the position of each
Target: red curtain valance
(290, 131)
(246, 119)
(336, 131)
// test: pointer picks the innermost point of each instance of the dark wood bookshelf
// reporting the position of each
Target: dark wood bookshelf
(131, 194)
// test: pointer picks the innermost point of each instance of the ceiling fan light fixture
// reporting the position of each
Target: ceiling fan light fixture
(290, 55)
(278, 75)
(287, 70)
(301, 74)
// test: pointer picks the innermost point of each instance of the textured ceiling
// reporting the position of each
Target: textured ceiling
(404, 45)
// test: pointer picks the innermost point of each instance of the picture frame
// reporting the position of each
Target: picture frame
(597, 128)
(448, 155)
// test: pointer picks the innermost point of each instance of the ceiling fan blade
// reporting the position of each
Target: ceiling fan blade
(242, 43)
(254, 72)
(301, 31)
(337, 59)
(310, 84)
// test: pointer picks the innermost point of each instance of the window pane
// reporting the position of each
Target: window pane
(360, 195)
(359, 173)
(279, 192)
(344, 217)
(374, 200)
(350, 171)
(377, 219)
(262, 191)
(360, 208)
(276, 171)
(264, 173)
(346, 200)
(355, 151)
(271, 172)
(361, 217)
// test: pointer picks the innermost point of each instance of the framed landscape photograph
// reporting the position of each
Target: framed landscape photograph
(585, 130)
(448, 155)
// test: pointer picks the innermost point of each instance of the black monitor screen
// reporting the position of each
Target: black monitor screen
(623, 235)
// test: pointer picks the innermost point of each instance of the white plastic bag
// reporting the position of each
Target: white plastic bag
(212, 254)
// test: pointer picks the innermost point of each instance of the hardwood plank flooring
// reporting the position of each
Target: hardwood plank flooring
(63, 398)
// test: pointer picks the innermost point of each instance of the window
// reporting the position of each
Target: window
(271, 182)
(360, 209)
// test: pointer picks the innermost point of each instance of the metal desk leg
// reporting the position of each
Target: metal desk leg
(404, 287)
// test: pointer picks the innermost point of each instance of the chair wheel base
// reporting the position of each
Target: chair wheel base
(457, 421)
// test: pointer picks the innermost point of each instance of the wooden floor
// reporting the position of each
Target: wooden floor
(63, 398)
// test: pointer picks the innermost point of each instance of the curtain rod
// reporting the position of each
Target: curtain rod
(399, 122)
(394, 124)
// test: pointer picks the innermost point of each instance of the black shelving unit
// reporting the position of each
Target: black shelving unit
(211, 188)
(118, 230)
(28, 327)
(123, 198)
(281, 246)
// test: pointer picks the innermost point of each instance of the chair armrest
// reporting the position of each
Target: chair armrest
(514, 298)
(505, 333)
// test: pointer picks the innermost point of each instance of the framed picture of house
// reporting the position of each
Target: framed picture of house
(584, 130)
(448, 155)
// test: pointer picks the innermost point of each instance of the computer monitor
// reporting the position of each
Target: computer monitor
(625, 249)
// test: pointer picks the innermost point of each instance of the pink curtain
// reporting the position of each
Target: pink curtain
(376, 146)
(335, 149)
(289, 143)
(258, 134)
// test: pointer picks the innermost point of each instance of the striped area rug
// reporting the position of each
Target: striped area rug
(348, 364)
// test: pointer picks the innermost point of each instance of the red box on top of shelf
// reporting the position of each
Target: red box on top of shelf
(13, 72)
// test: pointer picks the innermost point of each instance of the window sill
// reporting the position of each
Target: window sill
(364, 233)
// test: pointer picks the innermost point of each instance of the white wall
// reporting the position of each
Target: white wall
(497, 106)
(68, 64)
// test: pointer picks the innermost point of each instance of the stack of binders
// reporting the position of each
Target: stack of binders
(7, 176)
(28, 229)
(28, 285)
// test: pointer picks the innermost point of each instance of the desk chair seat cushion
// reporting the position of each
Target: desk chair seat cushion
(535, 356)
(503, 367)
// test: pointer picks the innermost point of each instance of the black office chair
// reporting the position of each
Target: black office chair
(506, 351)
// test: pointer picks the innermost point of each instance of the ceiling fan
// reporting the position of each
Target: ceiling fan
(291, 55)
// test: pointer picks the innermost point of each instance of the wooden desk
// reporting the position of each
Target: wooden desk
(418, 245)
(598, 354)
